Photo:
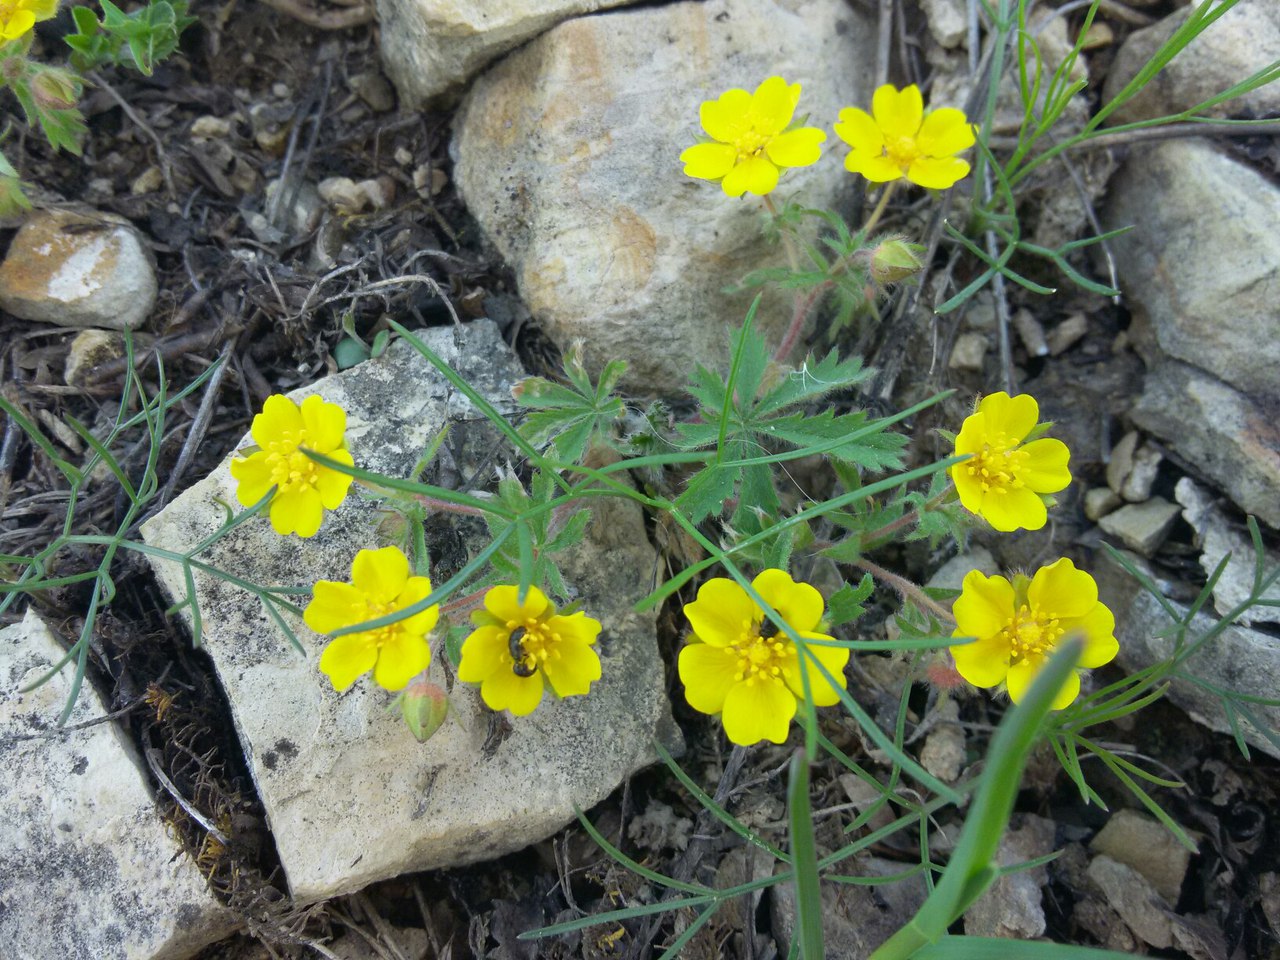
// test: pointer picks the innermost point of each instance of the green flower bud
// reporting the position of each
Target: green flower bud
(894, 259)
(55, 89)
(424, 707)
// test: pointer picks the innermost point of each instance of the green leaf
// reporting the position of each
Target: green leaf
(847, 603)
(707, 492)
(805, 860)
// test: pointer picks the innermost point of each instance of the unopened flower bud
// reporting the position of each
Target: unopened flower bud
(895, 259)
(424, 707)
(55, 89)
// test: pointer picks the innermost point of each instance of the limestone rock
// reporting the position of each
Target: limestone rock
(1232, 439)
(88, 351)
(1141, 526)
(431, 46)
(1202, 286)
(1099, 501)
(947, 21)
(351, 797)
(1012, 906)
(1239, 659)
(1243, 41)
(78, 270)
(567, 155)
(89, 871)
(1144, 843)
(1131, 895)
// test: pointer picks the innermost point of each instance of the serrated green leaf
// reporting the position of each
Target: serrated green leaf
(848, 603)
(707, 492)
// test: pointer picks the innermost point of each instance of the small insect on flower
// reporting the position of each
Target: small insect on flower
(1017, 625)
(898, 139)
(1009, 474)
(750, 141)
(303, 488)
(743, 667)
(17, 17)
(380, 584)
(519, 649)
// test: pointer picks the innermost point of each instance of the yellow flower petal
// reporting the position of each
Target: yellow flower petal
(722, 614)
(423, 622)
(1013, 509)
(753, 175)
(380, 574)
(983, 607)
(1063, 591)
(944, 133)
(573, 672)
(401, 658)
(1098, 627)
(1045, 469)
(859, 130)
(835, 659)
(708, 161)
(297, 510)
(708, 674)
(42, 9)
(347, 658)
(758, 711)
(19, 22)
(254, 476)
(325, 423)
(503, 603)
(937, 174)
(332, 485)
(773, 105)
(796, 148)
(334, 606)
(575, 628)
(799, 604)
(725, 118)
(484, 653)
(503, 690)
(898, 113)
(876, 169)
(983, 663)
(1022, 675)
(280, 417)
(1014, 417)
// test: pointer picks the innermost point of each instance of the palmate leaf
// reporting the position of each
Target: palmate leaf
(570, 418)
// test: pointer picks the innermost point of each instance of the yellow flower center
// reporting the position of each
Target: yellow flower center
(998, 466)
(750, 144)
(531, 644)
(1031, 633)
(902, 151)
(759, 658)
(379, 636)
(290, 467)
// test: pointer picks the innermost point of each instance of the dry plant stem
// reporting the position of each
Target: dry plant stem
(464, 603)
(166, 168)
(328, 20)
(881, 204)
(905, 589)
(432, 503)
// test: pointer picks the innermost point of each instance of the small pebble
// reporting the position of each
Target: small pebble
(1068, 333)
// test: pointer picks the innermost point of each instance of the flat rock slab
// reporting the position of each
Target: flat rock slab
(350, 796)
(568, 156)
(88, 870)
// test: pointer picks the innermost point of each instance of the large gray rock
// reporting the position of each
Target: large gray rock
(88, 870)
(1202, 266)
(1239, 659)
(1012, 906)
(1242, 42)
(567, 155)
(1231, 439)
(431, 46)
(78, 270)
(350, 796)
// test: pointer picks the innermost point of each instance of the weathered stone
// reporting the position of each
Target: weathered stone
(1120, 461)
(950, 576)
(1068, 333)
(1141, 526)
(90, 349)
(1142, 475)
(1145, 844)
(1231, 439)
(1243, 41)
(1239, 659)
(969, 351)
(943, 753)
(88, 870)
(1012, 906)
(1218, 537)
(351, 797)
(1202, 287)
(1099, 501)
(567, 155)
(1132, 896)
(432, 46)
(947, 21)
(78, 270)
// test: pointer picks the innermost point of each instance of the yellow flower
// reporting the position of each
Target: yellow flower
(19, 16)
(304, 489)
(752, 143)
(380, 584)
(898, 139)
(518, 649)
(1004, 477)
(1018, 624)
(752, 680)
